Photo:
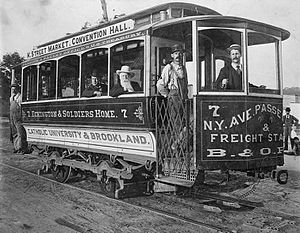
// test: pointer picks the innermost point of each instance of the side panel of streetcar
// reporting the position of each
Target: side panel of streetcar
(100, 112)
(239, 133)
(110, 126)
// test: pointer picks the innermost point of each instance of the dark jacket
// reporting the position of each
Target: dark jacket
(288, 122)
(234, 79)
(118, 89)
(89, 91)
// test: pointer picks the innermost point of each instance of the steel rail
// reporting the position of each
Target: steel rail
(149, 209)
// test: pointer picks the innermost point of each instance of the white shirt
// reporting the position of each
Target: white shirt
(235, 66)
(17, 98)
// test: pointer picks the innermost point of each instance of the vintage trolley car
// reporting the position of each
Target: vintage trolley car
(131, 139)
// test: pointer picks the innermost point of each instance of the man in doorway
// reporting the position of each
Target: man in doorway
(174, 86)
(173, 83)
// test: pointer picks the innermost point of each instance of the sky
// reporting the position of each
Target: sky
(28, 23)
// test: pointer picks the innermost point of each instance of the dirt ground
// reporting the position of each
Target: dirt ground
(32, 204)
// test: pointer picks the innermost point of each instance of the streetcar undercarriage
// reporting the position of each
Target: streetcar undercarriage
(119, 178)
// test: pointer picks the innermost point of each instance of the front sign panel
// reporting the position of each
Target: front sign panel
(240, 130)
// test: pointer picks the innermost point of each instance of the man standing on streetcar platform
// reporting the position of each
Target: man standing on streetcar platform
(173, 83)
(288, 121)
(174, 86)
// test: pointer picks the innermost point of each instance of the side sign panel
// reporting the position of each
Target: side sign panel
(236, 130)
(80, 112)
(134, 142)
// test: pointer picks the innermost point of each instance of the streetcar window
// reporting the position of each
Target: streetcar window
(47, 80)
(128, 54)
(68, 73)
(181, 32)
(94, 63)
(214, 56)
(263, 63)
(30, 83)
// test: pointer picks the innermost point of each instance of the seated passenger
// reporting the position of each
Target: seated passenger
(230, 76)
(124, 85)
(96, 88)
(68, 91)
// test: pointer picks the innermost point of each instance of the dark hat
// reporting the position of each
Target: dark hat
(177, 47)
(287, 109)
(234, 46)
(94, 73)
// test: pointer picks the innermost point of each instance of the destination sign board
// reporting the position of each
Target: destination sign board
(97, 34)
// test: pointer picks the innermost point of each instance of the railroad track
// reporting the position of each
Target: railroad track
(158, 204)
(185, 220)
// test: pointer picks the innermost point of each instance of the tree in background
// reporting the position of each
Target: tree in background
(9, 61)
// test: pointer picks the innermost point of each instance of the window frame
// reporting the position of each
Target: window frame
(143, 86)
(244, 70)
(80, 72)
(39, 81)
(244, 44)
(278, 65)
(24, 92)
(58, 86)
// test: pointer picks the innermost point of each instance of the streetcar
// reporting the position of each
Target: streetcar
(130, 142)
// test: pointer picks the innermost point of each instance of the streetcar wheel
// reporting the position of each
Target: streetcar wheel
(282, 177)
(61, 173)
(110, 186)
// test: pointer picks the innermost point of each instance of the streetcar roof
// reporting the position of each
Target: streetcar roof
(197, 9)
(144, 20)
(230, 22)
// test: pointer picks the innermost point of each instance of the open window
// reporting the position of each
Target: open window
(47, 80)
(68, 77)
(30, 83)
(162, 41)
(94, 63)
(130, 53)
(214, 57)
(263, 64)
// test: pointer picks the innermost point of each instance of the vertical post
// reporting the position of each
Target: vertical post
(80, 75)
(156, 134)
(37, 82)
(56, 79)
(188, 158)
(104, 10)
(13, 79)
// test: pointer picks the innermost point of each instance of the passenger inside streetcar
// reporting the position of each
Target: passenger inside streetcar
(230, 76)
(123, 83)
(98, 86)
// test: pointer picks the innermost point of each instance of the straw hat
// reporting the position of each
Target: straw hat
(125, 69)
(234, 46)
